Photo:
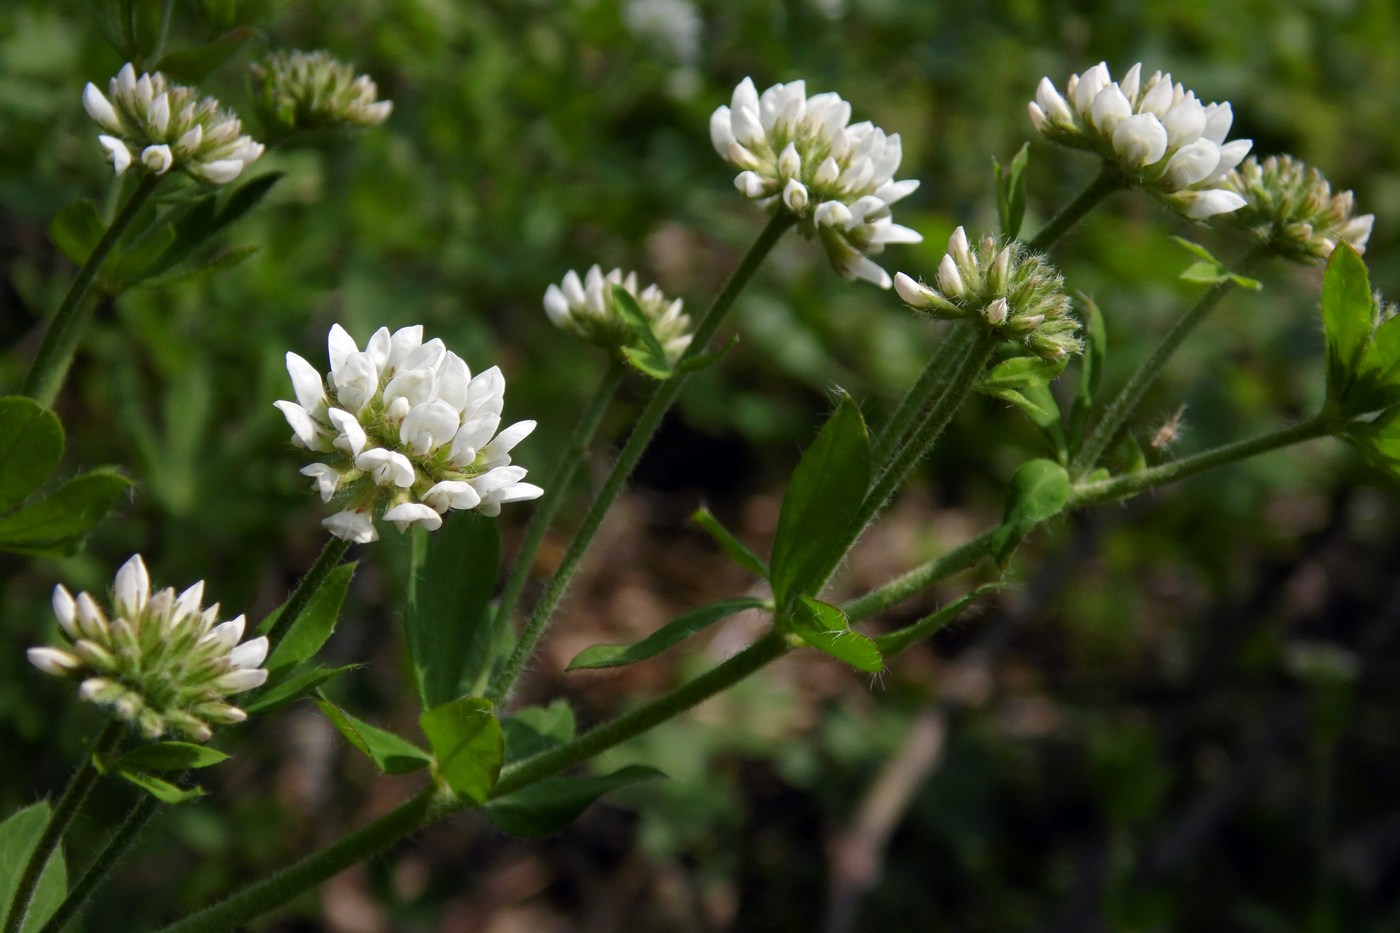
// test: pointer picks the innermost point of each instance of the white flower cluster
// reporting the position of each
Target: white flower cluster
(405, 427)
(311, 90)
(165, 126)
(1157, 133)
(586, 308)
(798, 153)
(160, 661)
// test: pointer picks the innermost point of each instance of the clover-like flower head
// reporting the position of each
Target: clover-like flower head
(164, 126)
(1289, 206)
(1157, 134)
(585, 307)
(1003, 288)
(801, 154)
(299, 90)
(403, 430)
(159, 660)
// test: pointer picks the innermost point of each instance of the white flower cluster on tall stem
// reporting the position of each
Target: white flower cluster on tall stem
(1003, 288)
(1291, 209)
(587, 308)
(404, 427)
(311, 90)
(163, 126)
(160, 661)
(1157, 134)
(801, 154)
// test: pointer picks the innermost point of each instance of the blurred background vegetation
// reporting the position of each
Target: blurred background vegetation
(1184, 716)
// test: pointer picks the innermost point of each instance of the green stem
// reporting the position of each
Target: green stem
(647, 423)
(366, 842)
(955, 392)
(920, 578)
(50, 365)
(1105, 183)
(1133, 483)
(330, 557)
(767, 649)
(557, 486)
(893, 432)
(59, 821)
(167, 8)
(111, 854)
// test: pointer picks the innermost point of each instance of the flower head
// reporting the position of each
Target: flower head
(403, 430)
(1006, 289)
(1290, 207)
(164, 126)
(160, 660)
(800, 154)
(299, 90)
(1156, 133)
(586, 308)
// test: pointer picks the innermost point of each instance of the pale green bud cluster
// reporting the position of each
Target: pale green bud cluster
(1290, 207)
(163, 126)
(586, 308)
(314, 90)
(1005, 289)
(160, 661)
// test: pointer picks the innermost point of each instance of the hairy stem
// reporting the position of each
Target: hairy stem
(110, 856)
(62, 817)
(557, 486)
(1105, 183)
(895, 430)
(1133, 483)
(50, 365)
(647, 423)
(920, 578)
(330, 557)
(1126, 402)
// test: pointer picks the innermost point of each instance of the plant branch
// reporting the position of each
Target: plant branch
(64, 811)
(647, 422)
(1105, 183)
(894, 431)
(66, 328)
(112, 854)
(330, 557)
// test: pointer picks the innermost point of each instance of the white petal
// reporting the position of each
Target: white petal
(306, 383)
(191, 601)
(1140, 140)
(1192, 163)
(100, 108)
(226, 634)
(219, 172)
(132, 588)
(327, 479)
(304, 428)
(721, 132)
(1184, 122)
(1199, 205)
(386, 467)
(355, 527)
(240, 680)
(556, 305)
(340, 345)
(159, 114)
(1110, 108)
(949, 279)
(411, 513)
(452, 494)
(795, 196)
(352, 438)
(54, 661)
(117, 153)
(1218, 120)
(65, 610)
(249, 654)
(427, 427)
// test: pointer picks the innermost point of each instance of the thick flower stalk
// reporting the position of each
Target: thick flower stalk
(162, 126)
(1005, 289)
(1289, 206)
(403, 430)
(1157, 134)
(160, 661)
(299, 90)
(800, 154)
(586, 308)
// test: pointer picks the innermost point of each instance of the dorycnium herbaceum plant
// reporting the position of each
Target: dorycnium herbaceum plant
(471, 630)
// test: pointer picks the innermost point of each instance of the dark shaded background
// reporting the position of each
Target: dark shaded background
(1183, 717)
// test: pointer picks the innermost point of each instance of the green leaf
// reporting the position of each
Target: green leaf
(731, 545)
(162, 790)
(1021, 372)
(453, 638)
(141, 259)
(1039, 491)
(56, 523)
(390, 753)
(1377, 383)
(467, 744)
(292, 687)
(1011, 192)
(246, 197)
(1045, 413)
(19, 834)
(31, 444)
(315, 624)
(169, 756)
(815, 523)
(826, 628)
(193, 65)
(648, 363)
(1347, 317)
(537, 729)
(1091, 365)
(204, 268)
(1209, 270)
(646, 354)
(672, 633)
(547, 806)
(76, 229)
(897, 641)
(705, 360)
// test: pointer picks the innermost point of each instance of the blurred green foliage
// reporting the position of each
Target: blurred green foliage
(1139, 681)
